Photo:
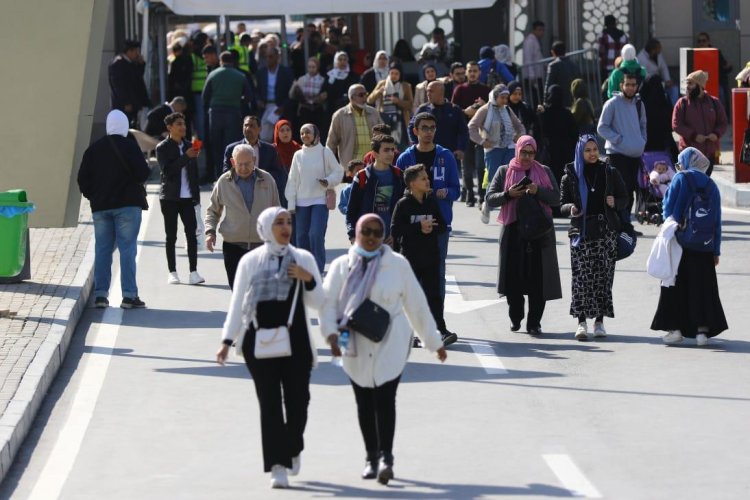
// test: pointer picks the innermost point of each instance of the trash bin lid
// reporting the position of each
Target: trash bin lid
(13, 195)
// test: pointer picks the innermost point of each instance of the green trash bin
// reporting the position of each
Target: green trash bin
(14, 224)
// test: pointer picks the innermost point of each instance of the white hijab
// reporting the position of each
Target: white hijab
(117, 123)
(336, 73)
(380, 74)
(264, 225)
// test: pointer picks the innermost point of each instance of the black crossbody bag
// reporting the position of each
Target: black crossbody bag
(370, 320)
(144, 202)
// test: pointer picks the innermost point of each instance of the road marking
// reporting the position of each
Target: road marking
(60, 462)
(488, 358)
(571, 476)
(455, 302)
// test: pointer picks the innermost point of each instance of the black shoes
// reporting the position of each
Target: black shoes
(471, 203)
(534, 330)
(132, 303)
(416, 343)
(448, 337)
(101, 303)
(514, 327)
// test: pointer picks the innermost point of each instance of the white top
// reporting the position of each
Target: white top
(532, 52)
(397, 290)
(184, 181)
(654, 68)
(308, 165)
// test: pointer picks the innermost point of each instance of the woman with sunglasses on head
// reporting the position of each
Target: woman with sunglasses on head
(273, 285)
(373, 271)
(591, 194)
(527, 267)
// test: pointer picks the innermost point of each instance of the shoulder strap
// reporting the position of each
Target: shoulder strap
(119, 156)
(294, 304)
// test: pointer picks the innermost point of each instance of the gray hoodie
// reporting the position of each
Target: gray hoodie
(619, 124)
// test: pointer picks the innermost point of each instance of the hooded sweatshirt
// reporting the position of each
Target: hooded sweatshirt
(620, 125)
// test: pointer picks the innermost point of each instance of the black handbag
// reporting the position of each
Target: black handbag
(533, 222)
(370, 320)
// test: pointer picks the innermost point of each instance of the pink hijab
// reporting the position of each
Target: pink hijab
(517, 171)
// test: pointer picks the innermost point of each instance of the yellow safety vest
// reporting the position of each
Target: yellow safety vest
(200, 72)
(243, 62)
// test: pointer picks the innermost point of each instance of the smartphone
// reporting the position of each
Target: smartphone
(523, 182)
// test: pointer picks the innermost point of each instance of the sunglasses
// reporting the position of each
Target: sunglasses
(368, 231)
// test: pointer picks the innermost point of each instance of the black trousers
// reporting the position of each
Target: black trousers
(283, 389)
(473, 167)
(524, 277)
(376, 409)
(629, 168)
(232, 255)
(429, 280)
(185, 209)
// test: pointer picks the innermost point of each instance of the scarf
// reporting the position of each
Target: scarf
(692, 159)
(517, 171)
(380, 74)
(271, 280)
(117, 123)
(583, 189)
(286, 150)
(336, 73)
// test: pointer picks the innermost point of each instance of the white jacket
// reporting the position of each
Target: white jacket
(308, 165)
(665, 256)
(246, 269)
(395, 289)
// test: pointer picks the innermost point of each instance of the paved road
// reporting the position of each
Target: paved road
(140, 410)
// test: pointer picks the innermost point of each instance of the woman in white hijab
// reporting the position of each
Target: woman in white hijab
(393, 98)
(338, 81)
(377, 73)
(270, 281)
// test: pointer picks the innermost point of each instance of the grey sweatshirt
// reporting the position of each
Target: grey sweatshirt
(619, 125)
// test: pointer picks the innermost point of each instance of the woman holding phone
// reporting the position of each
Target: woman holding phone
(527, 267)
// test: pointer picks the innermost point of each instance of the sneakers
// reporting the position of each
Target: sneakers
(278, 477)
(485, 213)
(673, 337)
(173, 279)
(132, 303)
(195, 278)
(701, 339)
(448, 337)
(101, 302)
(296, 465)
(582, 332)
(371, 468)
(599, 330)
(385, 471)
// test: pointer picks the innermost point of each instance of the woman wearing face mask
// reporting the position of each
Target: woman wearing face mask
(372, 270)
(592, 193)
(377, 73)
(526, 267)
(420, 91)
(496, 128)
(271, 280)
(393, 99)
(314, 170)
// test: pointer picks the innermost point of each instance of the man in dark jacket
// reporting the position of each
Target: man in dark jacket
(452, 132)
(267, 158)
(111, 177)
(377, 188)
(155, 125)
(127, 88)
(273, 99)
(562, 72)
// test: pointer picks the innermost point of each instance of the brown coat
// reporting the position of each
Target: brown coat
(342, 136)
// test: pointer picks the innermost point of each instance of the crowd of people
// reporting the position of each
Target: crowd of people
(278, 140)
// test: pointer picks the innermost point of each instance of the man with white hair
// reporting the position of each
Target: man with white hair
(351, 126)
(240, 194)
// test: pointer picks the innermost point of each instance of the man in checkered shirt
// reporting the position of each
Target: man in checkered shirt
(611, 42)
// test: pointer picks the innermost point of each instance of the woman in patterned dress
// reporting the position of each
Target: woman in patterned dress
(591, 194)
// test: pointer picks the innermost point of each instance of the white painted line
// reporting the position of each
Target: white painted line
(60, 462)
(488, 358)
(455, 302)
(571, 476)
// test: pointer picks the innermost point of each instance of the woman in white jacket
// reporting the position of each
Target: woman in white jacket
(270, 281)
(372, 270)
(314, 170)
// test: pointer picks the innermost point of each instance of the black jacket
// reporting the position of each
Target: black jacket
(155, 125)
(570, 196)
(362, 197)
(171, 163)
(105, 181)
(126, 84)
(421, 250)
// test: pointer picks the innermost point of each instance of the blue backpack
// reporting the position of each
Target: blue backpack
(698, 226)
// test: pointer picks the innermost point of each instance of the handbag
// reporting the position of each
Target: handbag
(330, 192)
(533, 222)
(144, 202)
(370, 320)
(626, 237)
(275, 342)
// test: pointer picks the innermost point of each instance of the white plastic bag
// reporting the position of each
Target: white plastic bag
(200, 229)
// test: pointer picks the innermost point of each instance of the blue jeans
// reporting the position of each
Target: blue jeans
(312, 223)
(495, 159)
(443, 249)
(118, 226)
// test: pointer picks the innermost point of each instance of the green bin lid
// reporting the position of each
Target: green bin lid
(13, 195)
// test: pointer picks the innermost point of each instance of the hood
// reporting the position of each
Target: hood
(117, 123)
(486, 52)
(579, 89)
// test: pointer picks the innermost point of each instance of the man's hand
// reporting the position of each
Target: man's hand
(210, 242)
(427, 225)
(700, 138)
(713, 137)
(440, 194)
(487, 144)
(192, 153)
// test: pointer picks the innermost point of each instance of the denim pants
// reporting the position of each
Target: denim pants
(116, 226)
(312, 223)
(443, 249)
(225, 125)
(495, 159)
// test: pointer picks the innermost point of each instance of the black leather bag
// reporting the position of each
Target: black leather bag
(370, 320)
(533, 222)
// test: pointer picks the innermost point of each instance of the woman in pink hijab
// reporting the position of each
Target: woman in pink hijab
(527, 266)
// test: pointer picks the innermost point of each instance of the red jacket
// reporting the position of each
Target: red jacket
(703, 116)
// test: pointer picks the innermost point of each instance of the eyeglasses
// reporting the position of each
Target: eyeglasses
(425, 128)
(368, 231)
(527, 152)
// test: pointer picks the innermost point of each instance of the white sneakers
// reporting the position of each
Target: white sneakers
(485, 213)
(278, 477)
(173, 279)
(195, 278)
(673, 337)
(296, 465)
(701, 339)
(599, 330)
(582, 332)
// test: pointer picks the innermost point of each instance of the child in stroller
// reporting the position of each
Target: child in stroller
(657, 172)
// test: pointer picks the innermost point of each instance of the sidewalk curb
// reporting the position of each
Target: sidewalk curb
(19, 416)
(733, 194)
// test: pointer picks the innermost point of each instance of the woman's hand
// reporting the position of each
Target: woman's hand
(532, 188)
(333, 341)
(517, 192)
(487, 144)
(297, 272)
(442, 354)
(222, 353)
(610, 201)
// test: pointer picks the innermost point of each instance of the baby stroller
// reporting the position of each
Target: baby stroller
(648, 208)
